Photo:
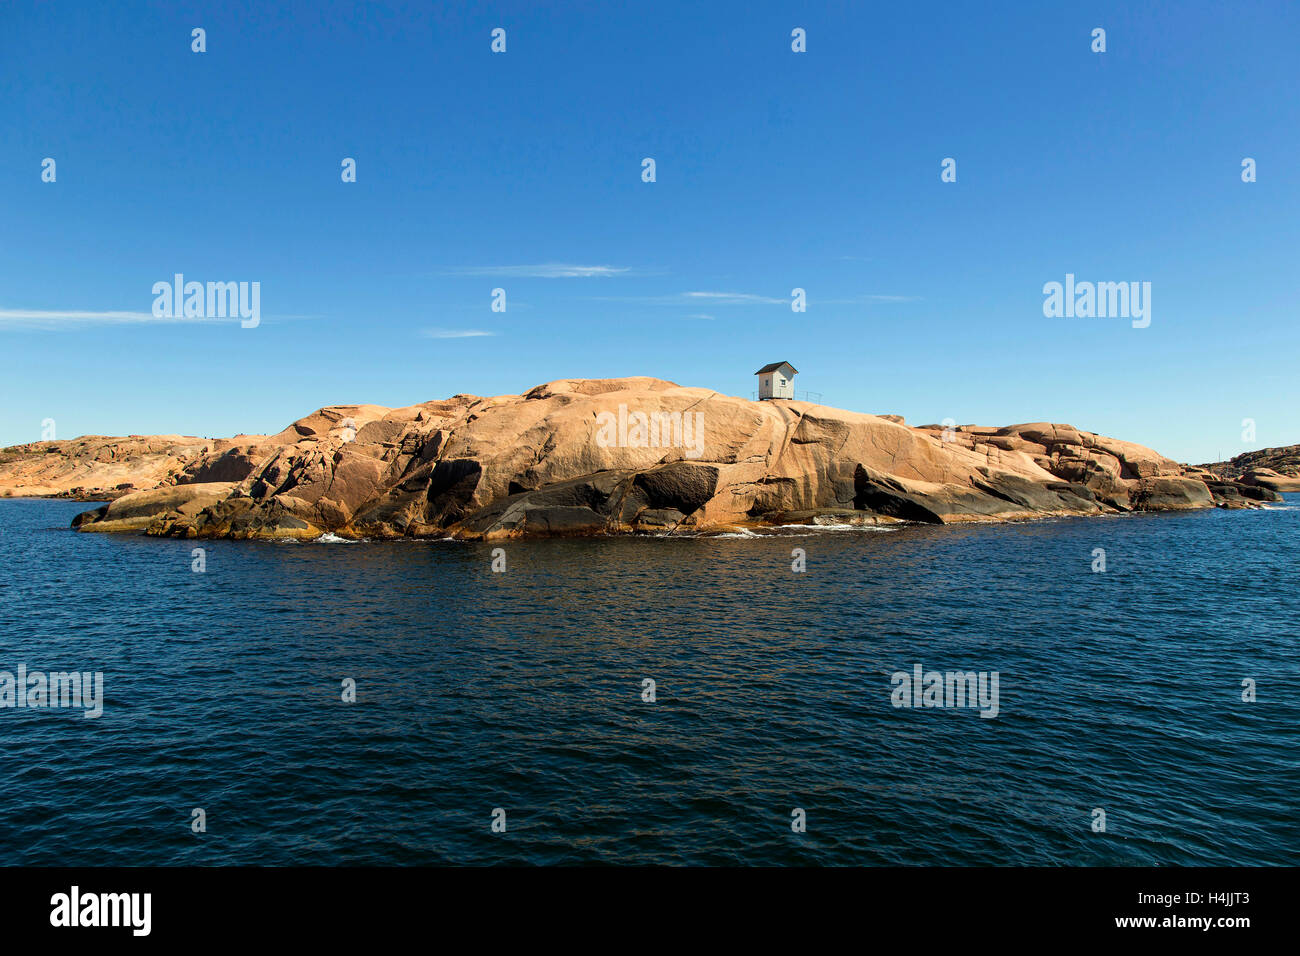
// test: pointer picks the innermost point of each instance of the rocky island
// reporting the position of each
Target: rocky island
(601, 456)
(1277, 469)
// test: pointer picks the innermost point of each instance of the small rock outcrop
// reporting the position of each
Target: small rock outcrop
(95, 467)
(1274, 469)
(599, 456)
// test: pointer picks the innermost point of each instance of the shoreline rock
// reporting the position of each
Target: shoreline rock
(1275, 469)
(95, 467)
(551, 463)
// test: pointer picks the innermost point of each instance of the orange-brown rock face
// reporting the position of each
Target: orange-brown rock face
(595, 456)
(1277, 469)
(94, 466)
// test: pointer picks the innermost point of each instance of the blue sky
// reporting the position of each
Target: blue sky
(775, 170)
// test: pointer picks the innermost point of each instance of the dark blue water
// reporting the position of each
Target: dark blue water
(522, 690)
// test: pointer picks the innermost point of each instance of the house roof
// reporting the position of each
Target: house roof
(776, 365)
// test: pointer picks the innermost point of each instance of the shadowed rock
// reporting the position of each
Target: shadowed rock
(599, 456)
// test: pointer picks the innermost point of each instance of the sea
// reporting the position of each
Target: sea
(715, 700)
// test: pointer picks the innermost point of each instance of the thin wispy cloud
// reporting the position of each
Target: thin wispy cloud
(701, 316)
(863, 299)
(694, 298)
(455, 333)
(548, 270)
(736, 298)
(743, 298)
(709, 298)
(68, 318)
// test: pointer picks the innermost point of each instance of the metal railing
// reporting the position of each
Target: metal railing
(803, 396)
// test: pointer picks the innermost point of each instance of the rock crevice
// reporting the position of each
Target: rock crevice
(541, 464)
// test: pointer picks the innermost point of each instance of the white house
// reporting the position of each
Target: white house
(776, 380)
